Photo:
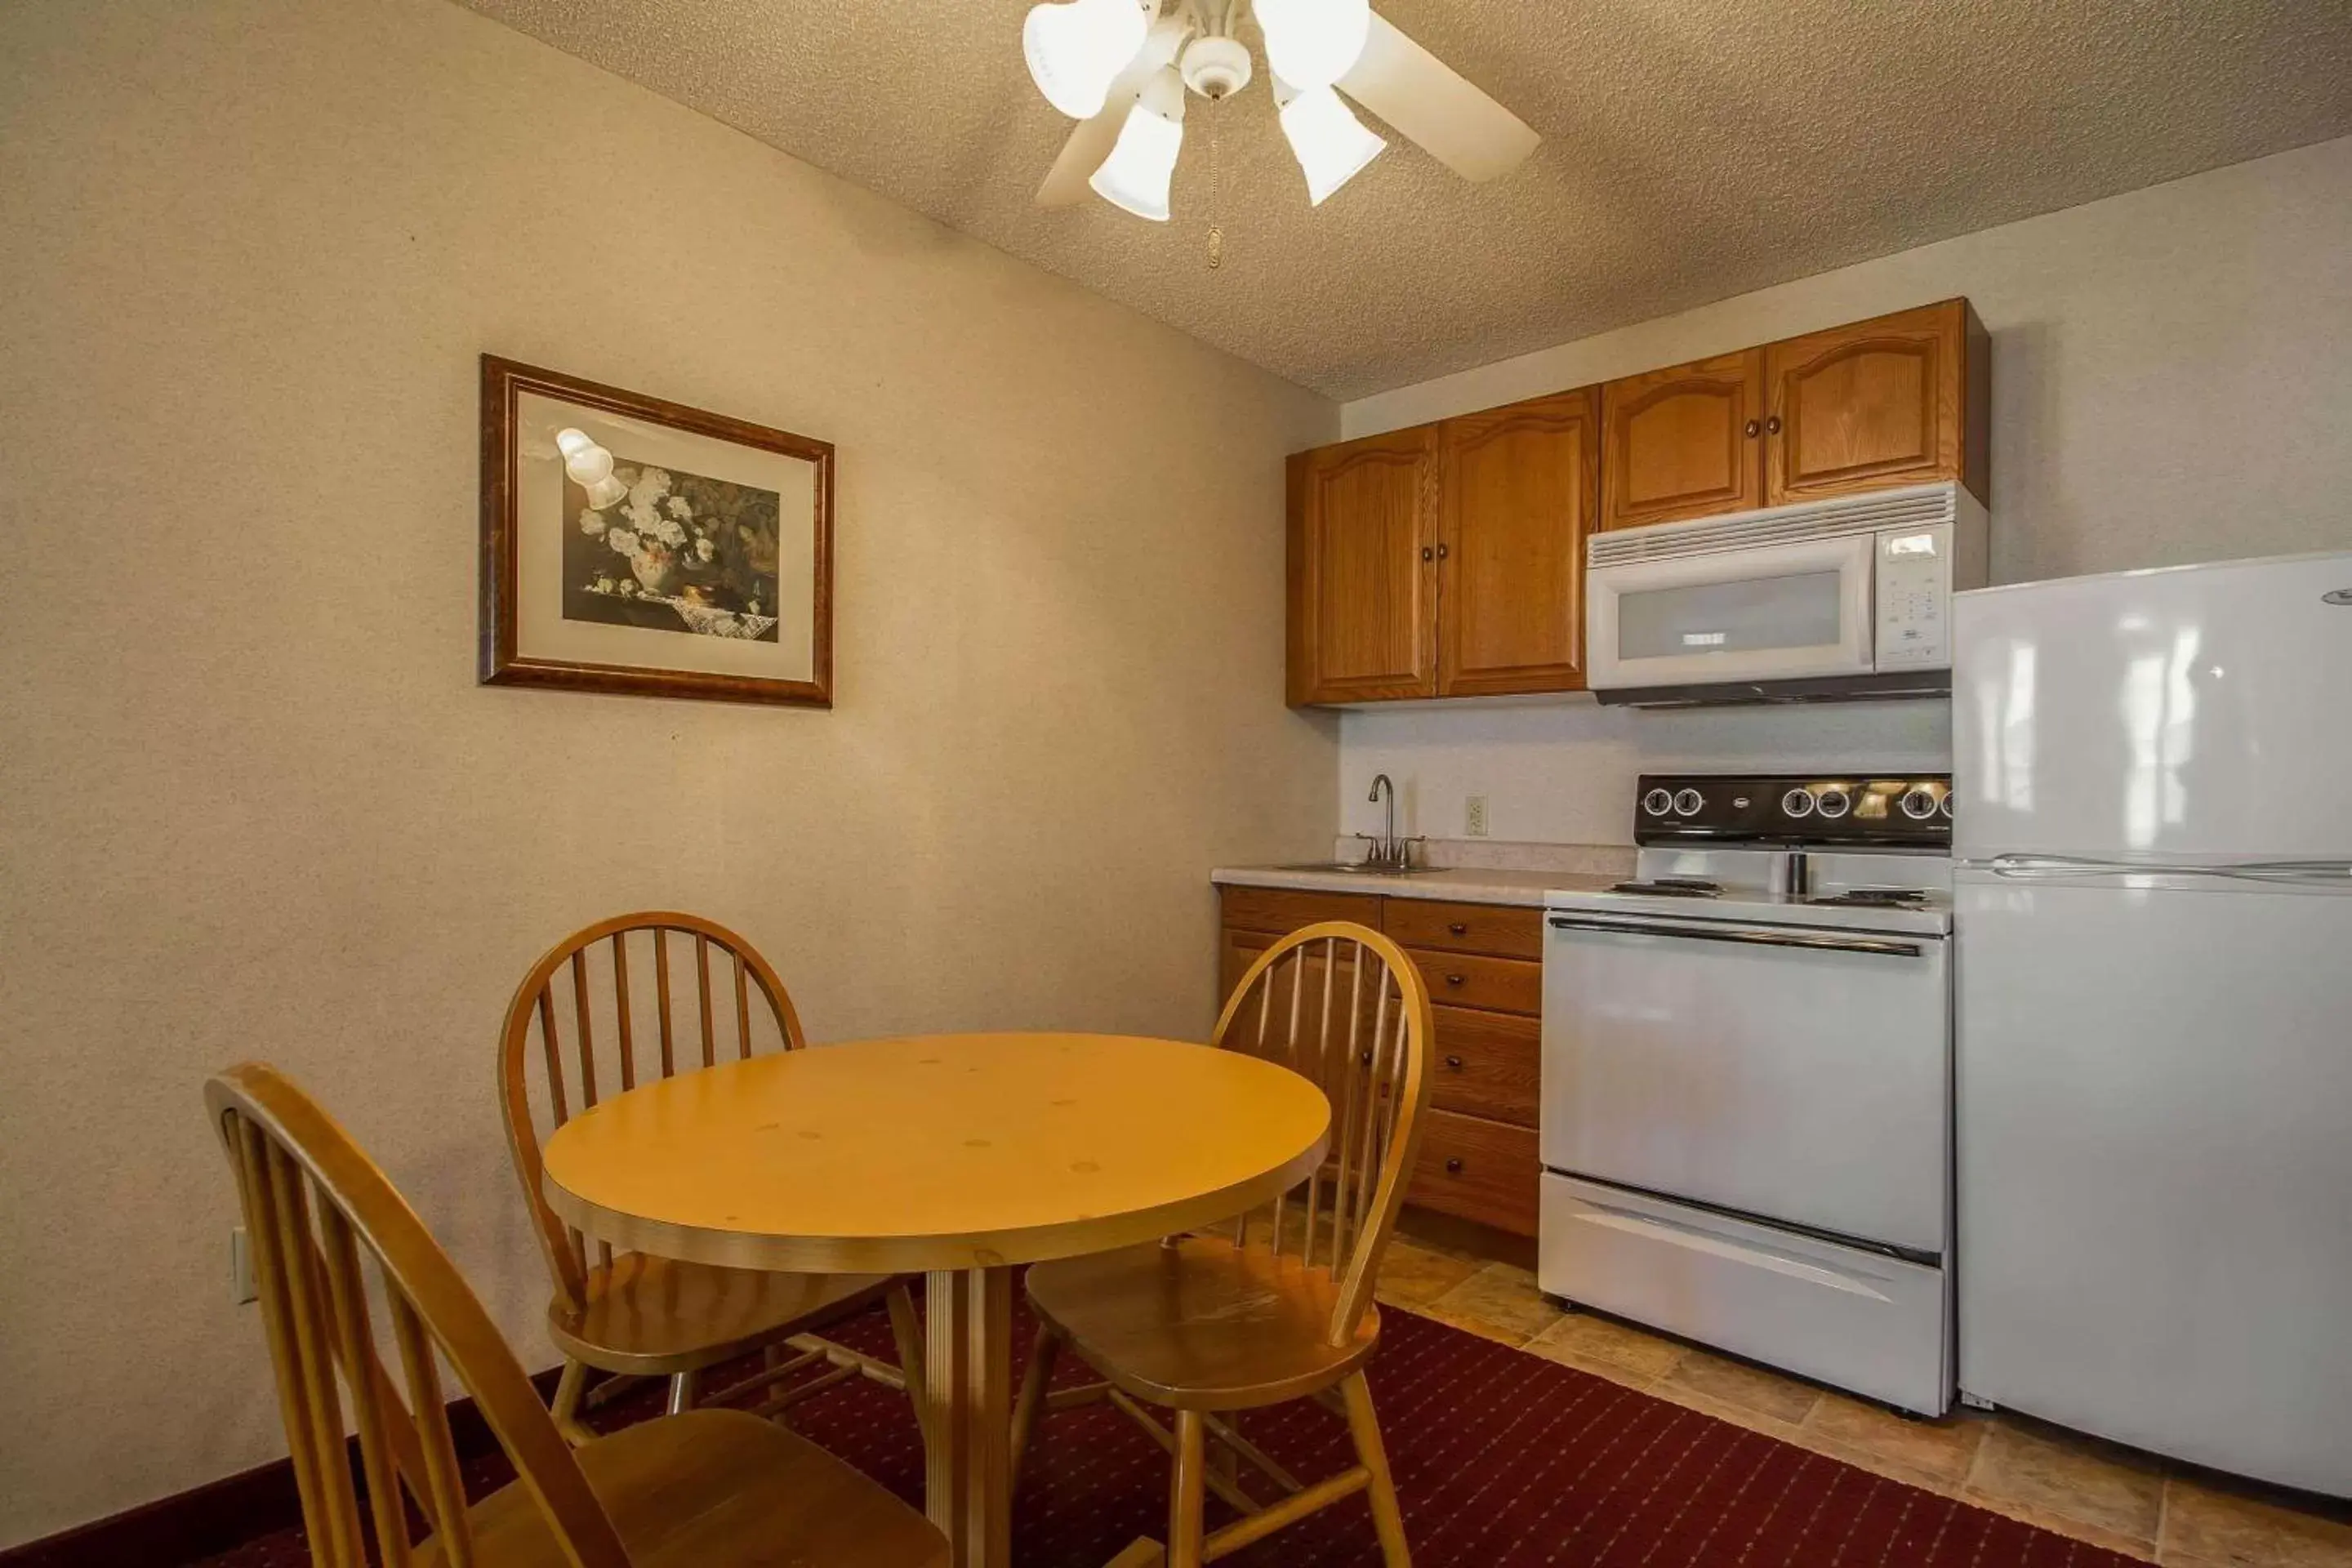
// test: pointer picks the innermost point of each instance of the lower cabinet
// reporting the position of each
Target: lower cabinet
(1479, 1151)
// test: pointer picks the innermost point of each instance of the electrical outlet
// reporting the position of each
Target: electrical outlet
(241, 1288)
(1473, 817)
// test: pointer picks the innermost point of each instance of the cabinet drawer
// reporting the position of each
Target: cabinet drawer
(1486, 1064)
(1478, 1170)
(1281, 911)
(1499, 931)
(1497, 984)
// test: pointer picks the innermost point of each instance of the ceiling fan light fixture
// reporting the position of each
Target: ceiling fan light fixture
(1075, 49)
(1331, 145)
(1313, 43)
(1142, 165)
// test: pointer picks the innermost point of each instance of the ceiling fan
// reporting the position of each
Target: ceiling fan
(1122, 68)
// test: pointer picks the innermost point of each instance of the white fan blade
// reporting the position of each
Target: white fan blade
(1430, 102)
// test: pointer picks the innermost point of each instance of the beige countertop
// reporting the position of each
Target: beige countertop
(1469, 885)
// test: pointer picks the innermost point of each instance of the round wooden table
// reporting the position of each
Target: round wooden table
(956, 1156)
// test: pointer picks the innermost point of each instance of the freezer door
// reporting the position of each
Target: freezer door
(2177, 715)
(1799, 1075)
(2155, 1089)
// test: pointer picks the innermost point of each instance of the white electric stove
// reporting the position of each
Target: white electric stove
(1746, 1080)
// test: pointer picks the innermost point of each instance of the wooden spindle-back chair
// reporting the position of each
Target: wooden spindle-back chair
(1277, 1306)
(634, 998)
(314, 1206)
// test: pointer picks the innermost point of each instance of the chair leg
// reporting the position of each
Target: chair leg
(1388, 1519)
(1042, 1357)
(681, 1392)
(569, 1389)
(907, 1333)
(1184, 1522)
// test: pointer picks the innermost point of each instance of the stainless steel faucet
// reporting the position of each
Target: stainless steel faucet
(1388, 850)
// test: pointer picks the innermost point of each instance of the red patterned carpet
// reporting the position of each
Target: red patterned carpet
(1503, 1460)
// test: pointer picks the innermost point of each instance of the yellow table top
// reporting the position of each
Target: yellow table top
(935, 1152)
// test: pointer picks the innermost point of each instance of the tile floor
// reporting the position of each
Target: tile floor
(2070, 1485)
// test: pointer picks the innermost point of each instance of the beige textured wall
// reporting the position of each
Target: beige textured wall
(2171, 382)
(252, 802)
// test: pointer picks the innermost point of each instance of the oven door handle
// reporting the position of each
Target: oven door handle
(1874, 945)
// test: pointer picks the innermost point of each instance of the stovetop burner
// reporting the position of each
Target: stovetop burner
(1875, 897)
(1673, 887)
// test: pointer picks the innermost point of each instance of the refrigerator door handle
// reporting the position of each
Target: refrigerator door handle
(2037, 867)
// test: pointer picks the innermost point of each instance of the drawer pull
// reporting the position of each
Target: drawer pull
(1455, 979)
(1457, 928)
(1454, 1064)
(1453, 1166)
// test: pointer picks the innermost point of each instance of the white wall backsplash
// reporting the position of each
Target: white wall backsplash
(1562, 773)
(2170, 373)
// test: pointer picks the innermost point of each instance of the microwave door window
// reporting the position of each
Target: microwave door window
(1752, 614)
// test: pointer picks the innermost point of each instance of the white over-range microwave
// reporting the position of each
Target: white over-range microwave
(1830, 599)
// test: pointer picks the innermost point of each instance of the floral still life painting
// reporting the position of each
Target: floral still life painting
(631, 544)
(677, 552)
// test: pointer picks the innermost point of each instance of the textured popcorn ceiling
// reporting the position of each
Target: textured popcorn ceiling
(1694, 148)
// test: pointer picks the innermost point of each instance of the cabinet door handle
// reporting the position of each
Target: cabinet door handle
(1454, 1167)
(1443, 552)
(1772, 426)
(1454, 1064)
(1455, 979)
(1752, 428)
(1456, 928)
(1427, 553)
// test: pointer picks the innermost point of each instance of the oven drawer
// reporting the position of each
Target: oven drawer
(1858, 1320)
(1477, 1170)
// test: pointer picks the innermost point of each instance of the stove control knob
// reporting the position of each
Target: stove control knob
(1920, 803)
(1688, 802)
(1945, 805)
(1797, 803)
(1657, 803)
(1833, 804)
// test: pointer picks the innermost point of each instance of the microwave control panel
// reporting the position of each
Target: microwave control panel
(1914, 598)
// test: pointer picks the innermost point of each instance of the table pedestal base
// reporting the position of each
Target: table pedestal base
(968, 1426)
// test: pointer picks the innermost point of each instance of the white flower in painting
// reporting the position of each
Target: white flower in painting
(705, 549)
(678, 509)
(650, 486)
(623, 543)
(592, 521)
(665, 530)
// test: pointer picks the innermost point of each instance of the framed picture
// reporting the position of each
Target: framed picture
(630, 544)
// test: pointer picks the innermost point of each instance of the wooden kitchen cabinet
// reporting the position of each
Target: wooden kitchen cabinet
(1901, 400)
(1520, 490)
(1362, 558)
(1683, 442)
(1479, 1157)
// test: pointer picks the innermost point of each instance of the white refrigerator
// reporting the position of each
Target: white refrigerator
(2153, 914)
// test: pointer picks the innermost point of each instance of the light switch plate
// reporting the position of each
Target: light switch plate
(1473, 817)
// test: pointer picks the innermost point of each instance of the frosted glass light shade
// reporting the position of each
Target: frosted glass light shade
(1077, 48)
(1331, 143)
(605, 492)
(1137, 173)
(1313, 43)
(572, 443)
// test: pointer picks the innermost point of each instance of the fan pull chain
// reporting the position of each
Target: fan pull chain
(1216, 232)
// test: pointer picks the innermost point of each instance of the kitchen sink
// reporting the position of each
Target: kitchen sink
(1358, 867)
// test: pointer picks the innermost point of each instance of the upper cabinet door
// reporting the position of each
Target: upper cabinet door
(1684, 442)
(1363, 571)
(1901, 400)
(1521, 491)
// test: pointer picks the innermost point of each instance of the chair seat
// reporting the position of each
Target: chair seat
(656, 1316)
(714, 1488)
(1201, 1325)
